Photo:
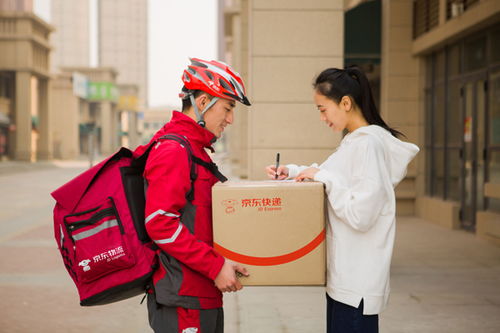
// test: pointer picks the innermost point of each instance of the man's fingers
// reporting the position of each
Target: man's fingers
(242, 270)
(238, 285)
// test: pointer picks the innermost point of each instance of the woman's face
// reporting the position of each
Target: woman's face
(333, 114)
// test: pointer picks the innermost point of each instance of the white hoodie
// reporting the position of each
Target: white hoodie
(360, 177)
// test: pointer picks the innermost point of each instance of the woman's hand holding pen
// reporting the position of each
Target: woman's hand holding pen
(282, 172)
(307, 174)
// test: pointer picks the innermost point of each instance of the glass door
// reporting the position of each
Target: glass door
(473, 154)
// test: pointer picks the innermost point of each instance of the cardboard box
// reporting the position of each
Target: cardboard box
(276, 229)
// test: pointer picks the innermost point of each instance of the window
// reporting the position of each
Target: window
(425, 16)
(454, 120)
(475, 54)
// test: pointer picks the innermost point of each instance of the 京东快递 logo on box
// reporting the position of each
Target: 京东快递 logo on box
(230, 205)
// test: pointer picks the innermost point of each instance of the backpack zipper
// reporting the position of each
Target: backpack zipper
(93, 220)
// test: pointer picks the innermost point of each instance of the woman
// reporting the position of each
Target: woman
(359, 179)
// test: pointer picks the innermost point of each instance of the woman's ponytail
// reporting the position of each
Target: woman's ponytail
(336, 83)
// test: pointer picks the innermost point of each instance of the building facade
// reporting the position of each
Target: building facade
(25, 93)
(457, 46)
(71, 39)
(437, 77)
(123, 42)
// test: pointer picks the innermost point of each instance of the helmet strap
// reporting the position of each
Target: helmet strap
(199, 116)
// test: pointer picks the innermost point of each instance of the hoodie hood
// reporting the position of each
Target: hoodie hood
(398, 154)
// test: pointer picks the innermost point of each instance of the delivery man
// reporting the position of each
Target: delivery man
(191, 276)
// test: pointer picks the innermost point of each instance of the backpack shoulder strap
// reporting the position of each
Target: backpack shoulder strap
(212, 167)
(192, 173)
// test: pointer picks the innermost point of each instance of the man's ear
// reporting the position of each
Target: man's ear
(199, 101)
(202, 101)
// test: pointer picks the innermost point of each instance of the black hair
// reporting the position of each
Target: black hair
(335, 83)
(186, 102)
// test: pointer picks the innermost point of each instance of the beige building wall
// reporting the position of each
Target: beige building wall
(289, 43)
(71, 39)
(123, 42)
(236, 38)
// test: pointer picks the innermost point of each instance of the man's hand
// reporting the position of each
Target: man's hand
(226, 280)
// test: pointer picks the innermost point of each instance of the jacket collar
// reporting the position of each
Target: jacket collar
(184, 125)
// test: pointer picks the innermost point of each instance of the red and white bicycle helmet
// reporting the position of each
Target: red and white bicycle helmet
(215, 78)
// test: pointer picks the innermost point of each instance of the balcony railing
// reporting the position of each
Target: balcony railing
(425, 16)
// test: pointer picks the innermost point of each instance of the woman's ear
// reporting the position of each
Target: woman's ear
(346, 102)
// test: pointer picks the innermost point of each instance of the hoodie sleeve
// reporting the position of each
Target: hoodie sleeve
(294, 170)
(358, 199)
(167, 175)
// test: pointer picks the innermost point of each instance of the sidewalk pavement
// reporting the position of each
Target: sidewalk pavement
(442, 280)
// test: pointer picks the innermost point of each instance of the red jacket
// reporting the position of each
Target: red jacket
(182, 229)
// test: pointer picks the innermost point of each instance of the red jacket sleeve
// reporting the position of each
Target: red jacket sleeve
(167, 174)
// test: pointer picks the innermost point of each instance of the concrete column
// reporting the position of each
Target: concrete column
(64, 118)
(45, 144)
(84, 112)
(133, 133)
(290, 43)
(400, 87)
(22, 150)
(237, 134)
(115, 128)
(442, 11)
(107, 122)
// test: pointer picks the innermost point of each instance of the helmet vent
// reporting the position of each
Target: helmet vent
(199, 64)
(225, 85)
(210, 76)
(192, 71)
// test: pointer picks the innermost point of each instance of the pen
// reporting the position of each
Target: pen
(277, 165)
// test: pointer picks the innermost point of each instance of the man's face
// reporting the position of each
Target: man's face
(219, 116)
